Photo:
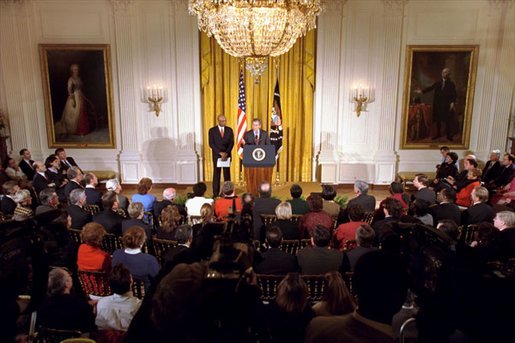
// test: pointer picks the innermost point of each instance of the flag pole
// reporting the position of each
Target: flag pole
(277, 171)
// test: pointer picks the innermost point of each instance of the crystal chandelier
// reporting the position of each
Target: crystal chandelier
(255, 29)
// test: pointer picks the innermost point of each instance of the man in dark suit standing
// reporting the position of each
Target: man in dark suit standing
(66, 162)
(26, 163)
(221, 142)
(256, 136)
(443, 102)
(275, 261)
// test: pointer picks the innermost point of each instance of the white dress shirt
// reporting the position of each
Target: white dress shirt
(193, 205)
(115, 312)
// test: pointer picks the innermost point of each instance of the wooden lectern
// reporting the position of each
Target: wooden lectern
(259, 161)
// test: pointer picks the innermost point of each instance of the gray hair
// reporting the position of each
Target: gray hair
(57, 281)
(361, 186)
(283, 210)
(183, 233)
(507, 217)
(46, 195)
(227, 188)
(135, 209)
(21, 196)
(497, 152)
(77, 195)
(169, 194)
(72, 173)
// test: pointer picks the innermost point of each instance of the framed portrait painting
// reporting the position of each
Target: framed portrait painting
(78, 95)
(438, 96)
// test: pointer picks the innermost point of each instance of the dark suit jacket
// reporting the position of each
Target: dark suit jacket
(442, 98)
(289, 229)
(478, 213)
(318, 260)
(65, 167)
(159, 206)
(507, 243)
(7, 205)
(219, 144)
(127, 223)
(352, 256)
(262, 206)
(504, 177)
(299, 206)
(446, 211)
(248, 137)
(110, 220)
(27, 169)
(79, 216)
(425, 194)
(40, 182)
(491, 171)
(58, 179)
(276, 262)
(367, 201)
(93, 197)
(70, 186)
(178, 254)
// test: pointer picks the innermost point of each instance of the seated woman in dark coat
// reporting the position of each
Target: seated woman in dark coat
(169, 220)
(62, 309)
(289, 229)
(290, 312)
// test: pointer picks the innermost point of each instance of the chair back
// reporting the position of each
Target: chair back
(268, 219)
(148, 218)
(368, 217)
(138, 288)
(194, 220)
(290, 246)
(268, 285)
(350, 244)
(110, 243)
(75, 235)
(47, 335)
(467, 234)
(316, 286)
(161, 246)
(91, 209)
(405, 330)
(94, 283)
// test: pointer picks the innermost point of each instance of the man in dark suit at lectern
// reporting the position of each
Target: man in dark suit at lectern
(256, 136)
(221, 142)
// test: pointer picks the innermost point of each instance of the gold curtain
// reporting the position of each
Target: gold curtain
(296, 73)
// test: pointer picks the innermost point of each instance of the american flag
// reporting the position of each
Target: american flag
(242, 115)
(276, 129)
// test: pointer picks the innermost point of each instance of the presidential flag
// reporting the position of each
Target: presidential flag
(276, 129)
(242, 115)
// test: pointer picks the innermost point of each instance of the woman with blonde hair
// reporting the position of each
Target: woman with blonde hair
(142, 266)
(169, 220)
(204, 232)
(290, 312)
(90, 255)
(289, 229)
(337, 299)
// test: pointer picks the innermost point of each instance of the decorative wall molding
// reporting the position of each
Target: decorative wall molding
(121, 5)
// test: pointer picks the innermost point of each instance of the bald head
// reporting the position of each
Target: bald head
(221, 120)
(169, 194)
(446, 73)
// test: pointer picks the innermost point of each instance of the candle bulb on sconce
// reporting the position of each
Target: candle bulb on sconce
(155, 96)
(361, 96)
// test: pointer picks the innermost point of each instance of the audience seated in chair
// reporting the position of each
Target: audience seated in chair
(397, 192)
(446, 208)
(115, 312)
(421, 183)
(169, 220)
(109, 218)
(289, 229)
(365, 239)
(90, 256)
(479, 211)
(205, 231)
(94, 197)
(143, 196)
(315, 216)
(79, 216)
(362, 198)
(421, 211)
(8, 205)
(23, 210)
(40, 180)
(65, 162)
(337, 300)
(448, 168)
(469, 163)
(26, 163)
(290, 312)
(62, 309)
(49, 201)
(56, 177)
(493, 167)
(194, 204)
(113, 185)
(347, 231)
(298, 205)
(505, 222)
(142, 266)
(392, 213)
(371, 322)
(274, 261)
(182, 253)
(319, 258)
(506, 174)
(264, 204)
(329, 205)
(75, 177)
(13, 170)
(136, 214)
(473, 181)
(229, 204)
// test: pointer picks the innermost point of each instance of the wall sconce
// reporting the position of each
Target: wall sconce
(361, 96)
(155, 96)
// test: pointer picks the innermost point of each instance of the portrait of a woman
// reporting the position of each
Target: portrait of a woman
(74, 120)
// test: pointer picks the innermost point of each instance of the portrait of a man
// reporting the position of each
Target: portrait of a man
(438, 97)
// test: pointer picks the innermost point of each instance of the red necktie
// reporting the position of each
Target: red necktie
(222, 132)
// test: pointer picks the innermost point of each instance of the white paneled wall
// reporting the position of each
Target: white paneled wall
(156, 41)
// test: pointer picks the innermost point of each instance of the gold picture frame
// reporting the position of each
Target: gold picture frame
(77, 87)
(437, 104)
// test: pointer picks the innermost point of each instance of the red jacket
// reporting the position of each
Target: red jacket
(463, 196)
